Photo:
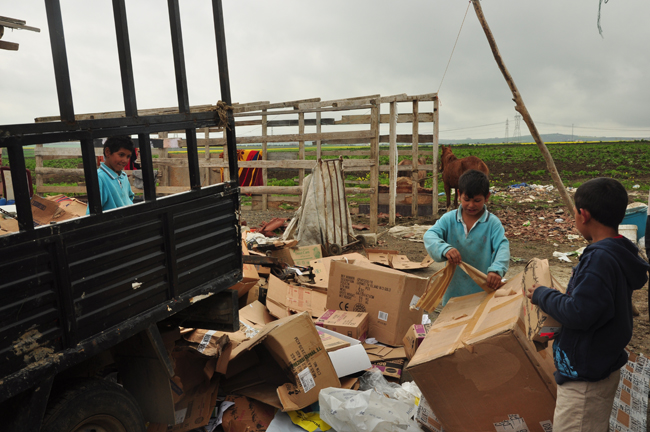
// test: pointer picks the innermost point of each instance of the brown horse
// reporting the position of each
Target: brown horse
(452, 168)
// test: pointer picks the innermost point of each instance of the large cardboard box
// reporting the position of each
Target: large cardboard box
(290, 368)
(540, 326)
(352, 324)
(247, 415)
(385, 294)
(298, 256)
(477, 368)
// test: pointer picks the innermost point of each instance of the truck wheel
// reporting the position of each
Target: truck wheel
(93, 405)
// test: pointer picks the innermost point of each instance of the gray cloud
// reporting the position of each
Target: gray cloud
(285, 50)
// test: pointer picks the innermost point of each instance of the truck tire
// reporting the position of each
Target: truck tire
(93, 405)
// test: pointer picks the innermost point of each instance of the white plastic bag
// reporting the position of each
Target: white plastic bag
(365, 411)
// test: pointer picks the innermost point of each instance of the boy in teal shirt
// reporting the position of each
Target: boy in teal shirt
(470, 234)
(114, 186)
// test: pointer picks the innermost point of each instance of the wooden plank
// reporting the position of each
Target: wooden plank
(337, 103)
(401, 118)
(301, 146)
(295, 190)
(38, 164)
(436, 116)
(17, 24)
(306, 137)
(406, 98)
(319, 152)
(267, 106)
(286, 164)
(415, 175)
(392, 164)
(55, 171)
(374, 171)
(306, 110)
(64, 152)
(401, 139)
(265, 156)
(9, 46)
(120, 114)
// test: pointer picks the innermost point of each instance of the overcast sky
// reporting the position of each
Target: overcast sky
(285, 50)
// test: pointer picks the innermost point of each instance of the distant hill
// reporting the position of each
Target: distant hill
(556, 137)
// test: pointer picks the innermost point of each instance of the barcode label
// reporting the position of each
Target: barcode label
(306, 380)
(383, 316)
(414, 301)
(206, 340)
(179, 416)
(546, 425)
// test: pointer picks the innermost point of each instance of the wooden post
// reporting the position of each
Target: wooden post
(226, 170)
(392, 164)
(301, 145)
(265, 197)
(374, 170)
(206, 156)
(436, 130)
(520, 107)
(39, 164)
(415, 175)
(318, 130)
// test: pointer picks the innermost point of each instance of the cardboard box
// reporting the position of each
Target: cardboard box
(292, 365)
(385, 294)
(348, 360)
(321, 268)
(477, 368)
(540, 327)
(247, 415)
(395, 259)
(331, 342)
(352, 324)
(45, 211)
(8, 226)
(414, 337)
(72, 206)
(298, 256)
(390, 368)
(249, 277)
(194, 390)
(426, 418)
(283, 299)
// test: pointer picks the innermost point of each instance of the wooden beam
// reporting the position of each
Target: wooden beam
(17, 24)
(286, 164)
(520, 107)
(338, 103)
(385, 118)
(374, 171)
(265, 156)
(268, 106)
(434, 168)
(415, 175)
(392, 164)
(120, 114)
(9, 46)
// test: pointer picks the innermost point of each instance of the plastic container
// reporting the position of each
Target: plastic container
(636, 214)
(629, 231)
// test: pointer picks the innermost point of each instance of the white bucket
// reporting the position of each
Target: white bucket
(628, 231)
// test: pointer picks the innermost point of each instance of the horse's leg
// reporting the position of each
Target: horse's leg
(456, 199)
(448, 194)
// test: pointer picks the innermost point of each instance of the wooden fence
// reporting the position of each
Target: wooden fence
(351, 128)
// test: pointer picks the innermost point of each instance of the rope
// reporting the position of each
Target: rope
(452, 51)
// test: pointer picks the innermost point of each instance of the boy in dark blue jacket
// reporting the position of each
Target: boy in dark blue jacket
(595, 312)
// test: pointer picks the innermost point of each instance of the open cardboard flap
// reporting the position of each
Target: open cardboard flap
(322, 268)
(293, 365)
(283, 299)
(395, 259)
(348, 360)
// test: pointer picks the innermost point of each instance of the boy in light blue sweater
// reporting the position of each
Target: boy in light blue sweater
(114, 186)
(470, 234)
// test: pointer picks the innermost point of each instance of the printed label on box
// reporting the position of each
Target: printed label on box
(383, 316)
(513, 424)
(306, 379)
(414, 301)
(206, 340)
(180, 416)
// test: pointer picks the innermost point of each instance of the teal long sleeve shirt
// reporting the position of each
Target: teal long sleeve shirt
(484, 247)
(115, 189)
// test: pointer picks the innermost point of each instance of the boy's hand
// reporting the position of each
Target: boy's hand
(453, 256)
(493, 280)
(531, 290)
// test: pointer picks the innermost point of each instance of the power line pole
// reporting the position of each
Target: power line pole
(517, 133)
(506, 131)
(572, 138)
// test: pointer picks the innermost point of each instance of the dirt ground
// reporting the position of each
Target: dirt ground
(523, 247)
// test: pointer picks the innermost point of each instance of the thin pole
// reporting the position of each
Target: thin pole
(520, 107)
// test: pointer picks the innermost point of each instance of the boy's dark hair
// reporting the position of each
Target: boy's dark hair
(116, 143)
(605, 198)
(473, 183)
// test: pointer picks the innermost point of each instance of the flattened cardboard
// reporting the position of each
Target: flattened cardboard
(8, 226)
(331, 342)
(291, 345)
(395, 259)
(540, 327)
(477, 367)
(250, 276)
(414, 337)
(390, 368)
(426, 418)
(247, 415)
(351, 324)
(321, 268)
(299, 256)
(45, 211)
(381, 256)
(385, 294)
(71, 205)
